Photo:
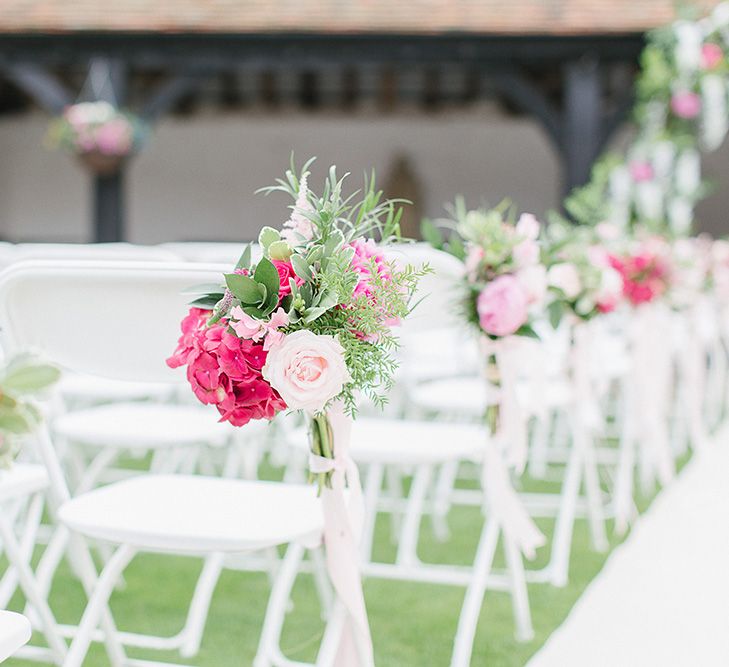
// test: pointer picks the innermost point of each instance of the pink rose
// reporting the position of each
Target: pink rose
(502, 306)
(641, 171)
(686, 104)
(285, 271)
(711, 55)
(526, 253)
(307, 370)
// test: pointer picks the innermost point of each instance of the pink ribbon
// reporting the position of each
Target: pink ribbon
(343, 522)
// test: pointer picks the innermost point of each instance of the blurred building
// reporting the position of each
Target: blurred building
(488, 99)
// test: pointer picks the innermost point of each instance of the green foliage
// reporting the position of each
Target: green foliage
(22, 379)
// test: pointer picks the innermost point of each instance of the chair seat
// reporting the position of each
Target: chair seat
(410, 442)
(470, 396)
(87, 389)
(143, 426)
(23, 479)
(195, 514)
(15, 631)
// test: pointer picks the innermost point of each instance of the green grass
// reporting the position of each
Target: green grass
(413, 624)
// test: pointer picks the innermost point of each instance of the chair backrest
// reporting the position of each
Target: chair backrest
(119, 320)
(211, 252)
(437, 295)
(93, 251)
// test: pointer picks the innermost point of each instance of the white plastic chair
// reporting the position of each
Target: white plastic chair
(15, 632)
(45, 307)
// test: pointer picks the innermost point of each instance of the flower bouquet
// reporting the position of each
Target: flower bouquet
(581, 280)
(99, 133)
(21, 379)
(308, 327)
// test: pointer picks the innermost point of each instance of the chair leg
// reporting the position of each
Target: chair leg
(443, 488)
(276, 609)
(407, 551)
(593, 496)
(198, 612)
(519, 591)
(29, 587)
(80, 559)
(562, 541)
(372, 490)
(9, 582)
(97, 605)
(471, 610)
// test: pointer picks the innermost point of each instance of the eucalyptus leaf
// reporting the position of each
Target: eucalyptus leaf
(312, 314)
(267, 274)
(301, 267)
(206, 302)
(30, 378)
(555, 311)
(203, 288)
(13, 422)
(279, 250)
(245, 259)
(244, 288)
(267, 236)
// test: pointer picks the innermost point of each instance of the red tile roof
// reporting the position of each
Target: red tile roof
(512, 17)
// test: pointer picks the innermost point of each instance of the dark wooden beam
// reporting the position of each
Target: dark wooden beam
(170, 92)
(39, 84)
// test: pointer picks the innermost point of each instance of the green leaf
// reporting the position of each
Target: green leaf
(30, 378)
(279, 250)
(13, 422)
(555, 311)
(334, 242)
(527, 331)
(267, 236)
(267, 274)
(301, 267)
(245, 259)
(312, 314)
(431, 234)
(244, 288)
(207, 302)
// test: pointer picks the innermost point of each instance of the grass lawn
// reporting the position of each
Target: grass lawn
(412, 624)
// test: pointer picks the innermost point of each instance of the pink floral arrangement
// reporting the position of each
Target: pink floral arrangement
(310, 323)
(97, 127)
(646, 272)
(505, 279)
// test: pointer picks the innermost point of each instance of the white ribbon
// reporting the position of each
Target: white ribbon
(343, 523)
(506, 507)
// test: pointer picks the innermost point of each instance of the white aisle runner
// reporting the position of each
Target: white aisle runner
(662, 599)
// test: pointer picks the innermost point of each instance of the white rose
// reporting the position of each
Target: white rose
(564, 276)
(307, 370)
(528, 227)
(534, 281)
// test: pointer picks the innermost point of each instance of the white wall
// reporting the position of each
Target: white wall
(196, 179)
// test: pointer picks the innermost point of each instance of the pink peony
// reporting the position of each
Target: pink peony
(285, 272)
(502, 306)
(686, 104)
(224, 370)
(711, 55)
(641, 171)
(308, 370)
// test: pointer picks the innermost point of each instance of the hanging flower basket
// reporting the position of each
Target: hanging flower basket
(101, 135)
(101, 163)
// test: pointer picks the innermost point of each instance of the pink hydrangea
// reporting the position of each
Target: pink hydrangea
(645, 276)
(224, 370)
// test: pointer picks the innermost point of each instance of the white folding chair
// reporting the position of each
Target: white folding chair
(15, 632)
(136, 310)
